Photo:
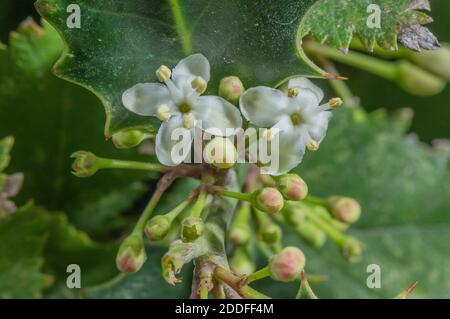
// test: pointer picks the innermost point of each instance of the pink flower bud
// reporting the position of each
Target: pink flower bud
(268, 200)
(287, 265)
(131, 255)
(292, 187)
(344, 209)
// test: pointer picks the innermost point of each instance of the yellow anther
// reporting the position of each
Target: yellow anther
(312, 146)
(267, 134)
(335, 102)
(199, 85)
(163, 112)
(293, 92)
(189, 121)
(163, 73)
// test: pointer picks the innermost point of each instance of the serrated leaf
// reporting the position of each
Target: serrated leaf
(122, 43)
(50, 119)
(382, 22)
(404, 190)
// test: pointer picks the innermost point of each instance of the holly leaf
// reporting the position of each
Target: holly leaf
(50, 119)
(404, 190)
(122, 43)
(382, 22)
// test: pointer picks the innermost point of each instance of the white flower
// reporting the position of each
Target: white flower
(179, 105)
(296, 117)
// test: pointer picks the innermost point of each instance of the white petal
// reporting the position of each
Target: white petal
(305, 103)
(263, 106)
(217, 115)
(288, 155)
(171, 138)
(304, 83)
(189, 68)
(145, 98)
(318, 127)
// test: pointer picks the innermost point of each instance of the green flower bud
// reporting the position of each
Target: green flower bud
(129, 138)
(192, 228)
(434, 61)
(311, 234)
(292, 187)
(344, 209)
(221, 153)
(351, 249)
(239, 235)
(418, 81)
(131, 255)
(287, 265)
(85, 164)
(271, 233)
(241, 262)
(158, 227)
(268, 200)
(294, 213)
(231, 89)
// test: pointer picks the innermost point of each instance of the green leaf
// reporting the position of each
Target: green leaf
(122, 43)
(6, 145)
(336, 21)
(404, 190)
(36, 244)
(50, 119)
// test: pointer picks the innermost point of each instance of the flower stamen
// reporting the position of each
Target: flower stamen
(163, 73)
(163, 112)
(189, 121)
(199, 85)
(293, 92)
(312, 145)
(296, 119)
(335, 102)
(267, 134)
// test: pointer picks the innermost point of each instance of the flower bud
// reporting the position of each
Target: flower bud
(221, 153)
(351, 249)
(287, 265)
(129, 138)
(434, 61)
(158, 227)
(192, 228)
(344, 209)
(292, 187)
(418, 81)
(131, 255)
(239, 235)
(268, 200)
(294, 213)
(241, 262)
(85, 164)
(231, 89)
(271, 233)
(311, 234)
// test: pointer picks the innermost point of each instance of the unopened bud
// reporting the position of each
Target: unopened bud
(344, 209)
(241, 262)
(85, 164)
(231, 89)
(239, 235)
(311, 234)
(271, 233)
(287, 265)
(191, 229)
(268, 200)
(418, 81)
(294, 213)
(221, 153)
(292, 187)
(434, 61)
(163, 73)
(129, 138)
(351, 249)
(158, 227)
(131, 255)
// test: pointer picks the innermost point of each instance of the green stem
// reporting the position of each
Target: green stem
(237, 283)
(182, 30)
(204, 292)
(247, 197)
(106, 163)
(162, 186)
(199, 204)
(305, 289)
(373, 65)
(332, 232)
(260, 274)
(177, 210)
(316, 201)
